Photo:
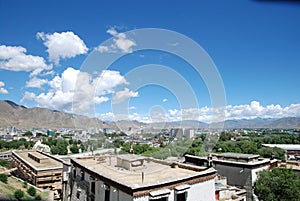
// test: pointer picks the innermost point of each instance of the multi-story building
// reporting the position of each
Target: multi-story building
(134, 178)
(37, 168)
(292, 150)
(240, 169)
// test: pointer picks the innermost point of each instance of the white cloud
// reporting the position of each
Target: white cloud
(164, 100)
(62, 45)
(102, 48)
(51, 72)
(109, 116)
(173, 112)
(28, 96)
(2, 89)
(123, 95)
(208, 114)
(132, 108)
(247, 111)
(101, 99)
(14, 58)
(120, 43)
(36, 82)
(112, 32)
(76, 91)
(107, 81)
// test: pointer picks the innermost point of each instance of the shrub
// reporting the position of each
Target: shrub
(24, 184)
(37, 197)
(31, 191)
(5, 163)
(3, 178)
(19, 194)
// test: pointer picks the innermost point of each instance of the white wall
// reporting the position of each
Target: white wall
(254, 173)
(204, 191)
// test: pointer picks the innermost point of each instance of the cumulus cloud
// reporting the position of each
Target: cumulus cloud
(14, 58)
(236, 112)
(102, 48)
(36, 82)
(120, 96)
(132, 108)
(109, 116)
(120, 43)
(2, 89)
(28, 96)
(62, 45)
(107, 81)
(76, 91)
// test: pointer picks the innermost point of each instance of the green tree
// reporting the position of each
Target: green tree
(278, 184)
(31, 191)
(249, 148)
(74, 149)
(54, 150)
(5, 163)
(19, 194)
(62, 146)
(24, 184)
(38, 197)
(224, 136)
(82, 147)
(3, 178)
(28, 133)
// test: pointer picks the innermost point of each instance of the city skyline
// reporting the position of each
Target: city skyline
(253, 44)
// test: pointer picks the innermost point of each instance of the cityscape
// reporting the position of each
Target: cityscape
(149, 101)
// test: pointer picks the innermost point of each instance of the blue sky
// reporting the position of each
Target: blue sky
(254, 45)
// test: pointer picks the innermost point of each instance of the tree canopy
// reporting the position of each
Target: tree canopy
(278, 184)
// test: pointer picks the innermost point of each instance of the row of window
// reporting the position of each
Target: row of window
(178, 196)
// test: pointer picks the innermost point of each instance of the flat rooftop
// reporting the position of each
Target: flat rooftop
(288, 147)
(155, 172)
(237, 158)
(237, 155)
(45, 162)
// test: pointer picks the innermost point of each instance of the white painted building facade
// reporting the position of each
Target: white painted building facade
(190, 184)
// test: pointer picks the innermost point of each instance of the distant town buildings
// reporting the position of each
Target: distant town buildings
(292, 150)
(130, 177)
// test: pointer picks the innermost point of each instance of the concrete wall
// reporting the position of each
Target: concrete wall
(255, 173)
(204, 191)
(239, 176)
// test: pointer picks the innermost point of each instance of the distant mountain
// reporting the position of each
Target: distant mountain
(12, 114)
(287, 122)
(182, 124)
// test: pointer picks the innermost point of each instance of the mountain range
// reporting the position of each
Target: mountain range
(12, 114)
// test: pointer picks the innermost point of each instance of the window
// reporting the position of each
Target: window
(181, 197)
(107, 193)
(93, 187)
(74, 173)
(78, 194)
(82, 175)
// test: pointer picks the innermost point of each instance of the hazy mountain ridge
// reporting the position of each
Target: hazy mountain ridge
(12, 114)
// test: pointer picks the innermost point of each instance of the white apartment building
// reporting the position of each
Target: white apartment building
(135, 178)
